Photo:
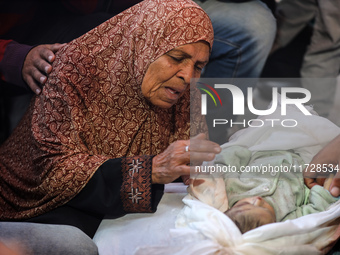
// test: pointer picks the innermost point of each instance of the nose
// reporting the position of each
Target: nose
(186, 73)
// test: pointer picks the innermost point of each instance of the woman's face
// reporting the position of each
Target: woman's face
(168, 77)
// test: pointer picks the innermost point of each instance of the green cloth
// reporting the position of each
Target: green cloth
(277, 176)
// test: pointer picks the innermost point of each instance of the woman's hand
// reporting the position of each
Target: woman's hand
(328, 157)
(37, 65)
(174, 161)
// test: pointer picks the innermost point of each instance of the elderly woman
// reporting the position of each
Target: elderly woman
(112, 122)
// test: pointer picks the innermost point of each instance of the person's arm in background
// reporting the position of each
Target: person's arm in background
(26, 66)
(328, 156)
(12, 56)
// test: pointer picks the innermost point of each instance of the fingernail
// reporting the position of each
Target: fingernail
(217, 149)
(335, 191)
(42, 79)
(50, 58)
(211, 155)
(37, 91)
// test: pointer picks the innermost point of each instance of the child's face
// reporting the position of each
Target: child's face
(259, 207)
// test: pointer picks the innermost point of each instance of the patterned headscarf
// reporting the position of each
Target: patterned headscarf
(92, 108)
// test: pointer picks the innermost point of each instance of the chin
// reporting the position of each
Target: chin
(163, 104)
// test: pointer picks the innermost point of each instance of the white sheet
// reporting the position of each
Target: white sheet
(208, 231)
(202, 229)
(122, 236)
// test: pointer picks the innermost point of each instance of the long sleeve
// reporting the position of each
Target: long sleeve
(120, 186)
(12, 56)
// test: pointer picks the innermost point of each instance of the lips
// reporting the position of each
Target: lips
(173, 91)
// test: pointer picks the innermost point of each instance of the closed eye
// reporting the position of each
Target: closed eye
(179, 56)
(176, 58)
(199, 68)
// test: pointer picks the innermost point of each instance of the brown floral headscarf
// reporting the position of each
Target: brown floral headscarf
(92, 109)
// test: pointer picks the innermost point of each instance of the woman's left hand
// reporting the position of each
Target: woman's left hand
(175, 160)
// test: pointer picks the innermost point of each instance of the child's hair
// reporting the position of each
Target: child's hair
(244, 220)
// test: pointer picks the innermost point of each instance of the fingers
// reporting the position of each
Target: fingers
(44, 61)
(200, 136)
(314, 178)
(316, 172)
(202, 149)
(328, 182)
(323, 164)
(310, 182)
(38, 72)
(38, 64)
(175, 161)
(335, 186)
(197, 158)
(320, 181)
(200, 143)
(165, 172)
(31, 82)
(47, 53)
(55, 47)
(186, 179)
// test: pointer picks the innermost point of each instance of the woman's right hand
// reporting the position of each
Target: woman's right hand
(174, 161)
